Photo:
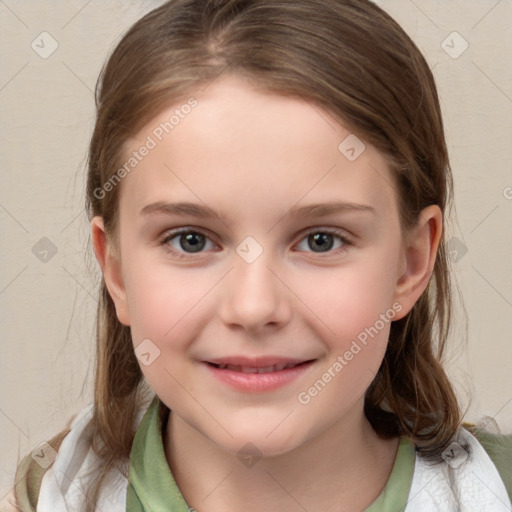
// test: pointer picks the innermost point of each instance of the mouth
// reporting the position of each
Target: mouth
(257, 375)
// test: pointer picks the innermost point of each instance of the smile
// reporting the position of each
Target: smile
(257, 375)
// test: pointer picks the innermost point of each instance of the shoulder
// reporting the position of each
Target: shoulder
(56, 473)
(35, 465)
(499, 449)
(467, 478)
(29, 476)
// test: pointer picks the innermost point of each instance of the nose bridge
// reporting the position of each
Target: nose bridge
(253, 297)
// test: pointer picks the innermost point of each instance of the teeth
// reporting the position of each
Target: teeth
(248, 369)
(268, 369)
(243, 369)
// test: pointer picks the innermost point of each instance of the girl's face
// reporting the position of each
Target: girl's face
(257, 232)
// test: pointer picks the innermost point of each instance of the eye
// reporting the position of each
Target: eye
(186, 241)
(325, 240)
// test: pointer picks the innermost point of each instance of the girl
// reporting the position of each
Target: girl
(268, 190)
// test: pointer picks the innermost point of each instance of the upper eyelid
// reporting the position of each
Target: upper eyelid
(172, 233)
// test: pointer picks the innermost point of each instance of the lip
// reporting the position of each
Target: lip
(254, 375)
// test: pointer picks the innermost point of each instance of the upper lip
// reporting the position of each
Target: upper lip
(256, 362)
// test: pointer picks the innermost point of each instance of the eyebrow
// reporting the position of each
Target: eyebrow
(204, 212)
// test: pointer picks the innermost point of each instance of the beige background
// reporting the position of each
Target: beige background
(47, 308)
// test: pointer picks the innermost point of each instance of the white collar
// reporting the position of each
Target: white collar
(467, 481)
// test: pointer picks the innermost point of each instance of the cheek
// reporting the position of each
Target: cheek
(347, 300)
(166, 307)
(352, 315)
(352, 364)
(160, 296)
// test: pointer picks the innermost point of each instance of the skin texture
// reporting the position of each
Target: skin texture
(252, 156)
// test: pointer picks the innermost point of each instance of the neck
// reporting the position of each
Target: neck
(348, 463)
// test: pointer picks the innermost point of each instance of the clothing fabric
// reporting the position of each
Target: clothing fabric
(468, 481)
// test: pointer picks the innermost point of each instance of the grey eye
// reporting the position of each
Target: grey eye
(321, 241)
(324, 241)
(192, 242)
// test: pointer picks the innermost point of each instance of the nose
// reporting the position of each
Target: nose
(254, 298)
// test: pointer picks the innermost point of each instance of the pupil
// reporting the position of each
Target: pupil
(323, 240)
(194, 241)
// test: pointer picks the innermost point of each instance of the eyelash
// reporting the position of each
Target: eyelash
(183, 255)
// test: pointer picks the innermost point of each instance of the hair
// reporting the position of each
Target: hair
(351, 59)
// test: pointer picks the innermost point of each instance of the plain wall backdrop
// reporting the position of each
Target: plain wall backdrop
(52, 53)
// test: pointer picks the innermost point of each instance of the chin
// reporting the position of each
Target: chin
(258, 443)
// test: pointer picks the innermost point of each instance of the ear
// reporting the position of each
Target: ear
(111, 268)
(418, 258)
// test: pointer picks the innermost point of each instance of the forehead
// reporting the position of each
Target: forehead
(238, 149)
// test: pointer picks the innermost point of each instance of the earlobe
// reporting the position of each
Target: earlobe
(418, 258)
(111, 269)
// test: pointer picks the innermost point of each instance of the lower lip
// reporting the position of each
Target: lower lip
(258, 382)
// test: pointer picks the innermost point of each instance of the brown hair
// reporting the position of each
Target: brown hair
(346, 56)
